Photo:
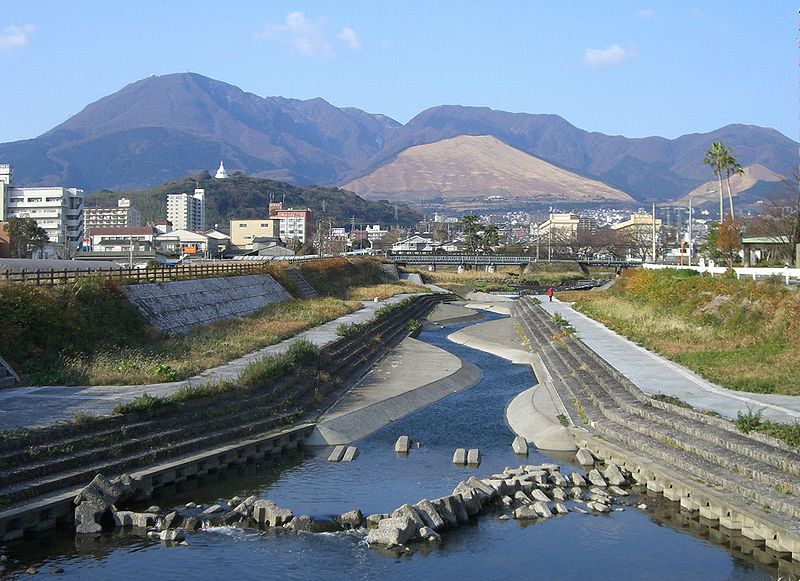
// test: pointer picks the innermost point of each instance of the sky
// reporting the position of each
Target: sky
(618, 67)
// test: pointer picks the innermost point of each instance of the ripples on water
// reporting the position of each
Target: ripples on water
(622, 545)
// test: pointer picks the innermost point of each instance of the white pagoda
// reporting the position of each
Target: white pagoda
(221, 173)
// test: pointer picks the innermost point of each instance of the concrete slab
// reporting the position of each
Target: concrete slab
(654, 374)
(499, 337)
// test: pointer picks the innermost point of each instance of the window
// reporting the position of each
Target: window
(265, 225)
(242, 225)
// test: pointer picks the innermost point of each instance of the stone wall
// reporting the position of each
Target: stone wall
(176, 307)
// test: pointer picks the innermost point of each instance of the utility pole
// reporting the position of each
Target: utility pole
(691, 248)
(653, 237)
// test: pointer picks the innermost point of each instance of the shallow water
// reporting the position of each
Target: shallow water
(632, 544)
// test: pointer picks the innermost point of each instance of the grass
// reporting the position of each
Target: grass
(672, 400)
(382, 291)
(743, 335)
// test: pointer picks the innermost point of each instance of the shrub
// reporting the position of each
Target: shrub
(348, 329)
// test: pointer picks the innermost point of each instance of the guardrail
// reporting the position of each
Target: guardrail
(786, 273)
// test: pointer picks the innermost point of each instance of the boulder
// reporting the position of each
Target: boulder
(352, 520)
(268, 513)
(614, 476)
(191, 524)
(429, 514)
(213, 509)
(374, 519)
(410, 512)
(596, 478)
(444, 507)
(458, 508)
(235, 501)
(172, 536)
(521, 498)
(542, 509)
(506, 501)
(538, 495)
(126, 485)
(392, 532)
(337, 454)
(155, 509)
(557, 479)
(558, 494)
(584, 457)
(576, 492)
(402, 445)
(88, 514)
(429, 535)
(520, 446)
(474, 457)
(299, 523)
(460, 456)
(576, 479)
(561, 508)
(350, 454)
(525, 513)
(483, 487)
(99, 491)
(617, 490)
(598, 507)
(172, 520)
(470, 501)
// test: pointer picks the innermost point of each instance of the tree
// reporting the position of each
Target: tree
(26, 236)
(717, 157)
(732, 167)
(780, 218)
(490, 237)
(729, 239)
(470, 226)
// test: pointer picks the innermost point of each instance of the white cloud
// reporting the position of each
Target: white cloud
(349, 37)
(15, 36)
(603, 58)
(645, 14)
(301, 35)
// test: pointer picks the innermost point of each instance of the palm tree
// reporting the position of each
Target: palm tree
(716, 156)
(732, 167)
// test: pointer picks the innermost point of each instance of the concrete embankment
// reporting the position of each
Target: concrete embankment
(534, 413)
(412, 376)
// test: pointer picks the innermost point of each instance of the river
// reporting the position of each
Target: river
(631, 544)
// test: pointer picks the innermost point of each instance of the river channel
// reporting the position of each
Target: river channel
(631, 544)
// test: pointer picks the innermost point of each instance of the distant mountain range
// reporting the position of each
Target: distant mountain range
(163, 127)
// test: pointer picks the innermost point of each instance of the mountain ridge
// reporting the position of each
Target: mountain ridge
(162, 127)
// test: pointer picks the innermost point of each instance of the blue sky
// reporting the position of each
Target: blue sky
(623, 67)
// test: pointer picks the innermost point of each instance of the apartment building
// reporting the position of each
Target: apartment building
(187, 211)
(123, 215)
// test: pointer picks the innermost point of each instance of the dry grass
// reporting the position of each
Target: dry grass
(179, 357)
(383, 291)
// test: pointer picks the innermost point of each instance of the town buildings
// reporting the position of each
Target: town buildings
(123, 215)
(244, 232)
(187, 211)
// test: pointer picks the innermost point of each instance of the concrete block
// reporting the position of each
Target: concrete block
(520, 446)
(349, 455)
(402, 445)
(460, 456)
(474, 457)
(584, 457)
(337, 454)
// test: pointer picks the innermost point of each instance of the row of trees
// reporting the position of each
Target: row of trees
(721, 159)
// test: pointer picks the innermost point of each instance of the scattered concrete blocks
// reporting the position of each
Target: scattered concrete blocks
(460, 456)
(337, 454)
(350, 454)
(520, 446)
(402, 445)
(585, 457)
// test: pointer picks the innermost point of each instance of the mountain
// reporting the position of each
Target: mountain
(755, 181)
(245, 197)
(477, 167)
(163, 127)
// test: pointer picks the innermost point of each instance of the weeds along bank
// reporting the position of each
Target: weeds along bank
(740, 334)
(88, 333)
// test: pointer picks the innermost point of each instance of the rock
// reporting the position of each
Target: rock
(402, 445)
(598, 506)
(429, 535)
(191, 505)
(550, 467)
(350, 454)
(444, 507)
(337, 454)
(542, 509)
(126, 485)
(352, 520)
(460, 456)
(410, 512)
(576, 479)
(641, 506)
(580, 510)
(88, 528)
(392, 532)
(557, 479)
(584, 457)
(596, 478)
(213, 509)
(576, 492)
(172, 520)
(561, 508)
(521, 498)
(235, 501)
(374, 519)
(538, 495)
(155, 509)
(558, 494)
(474, 457)
(268, 513)
(56, 570)
(31, 570)
(99, 491)
(299, 523)
(503, 517)
(429, 515)
(483, 487)
(613, 475)
(617, 490)
(143, 520)
(88, 514)
(471, 501)
(525, 513)
(172, 536)
(191, 524)
(520, 446)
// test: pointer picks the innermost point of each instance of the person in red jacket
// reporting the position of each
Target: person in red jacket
(550, 293)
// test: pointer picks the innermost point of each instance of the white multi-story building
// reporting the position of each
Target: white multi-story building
(187, 211)
(59, 211)
(122, 216)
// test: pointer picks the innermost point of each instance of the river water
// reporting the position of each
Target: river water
(632, 544)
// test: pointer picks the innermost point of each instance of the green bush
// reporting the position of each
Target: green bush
(348, 329)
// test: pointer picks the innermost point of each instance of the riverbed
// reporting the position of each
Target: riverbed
(631, 544)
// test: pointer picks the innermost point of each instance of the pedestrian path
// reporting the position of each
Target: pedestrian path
(28, 407)
(654, 374)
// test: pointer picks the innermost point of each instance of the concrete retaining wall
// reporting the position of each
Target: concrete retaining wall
(175, 307)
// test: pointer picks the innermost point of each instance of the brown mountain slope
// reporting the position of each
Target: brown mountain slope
(709, 191)
(468, 166)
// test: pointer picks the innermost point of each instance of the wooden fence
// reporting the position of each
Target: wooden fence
(123, 275)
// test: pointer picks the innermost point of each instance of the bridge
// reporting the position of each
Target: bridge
(493, 260)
